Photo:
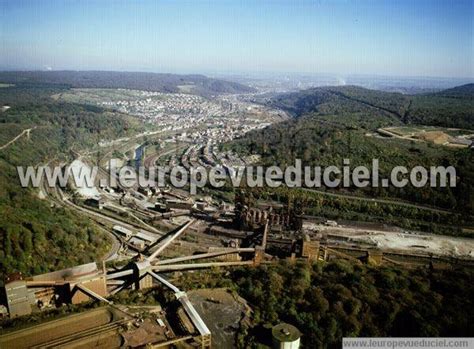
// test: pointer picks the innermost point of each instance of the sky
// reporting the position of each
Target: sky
(399, 38)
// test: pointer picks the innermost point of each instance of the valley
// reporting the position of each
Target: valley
(156, 240)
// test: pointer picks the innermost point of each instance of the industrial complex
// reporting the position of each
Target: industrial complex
(158, 233)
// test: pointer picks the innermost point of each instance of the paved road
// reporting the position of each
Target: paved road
(116, 243)
(113, 253)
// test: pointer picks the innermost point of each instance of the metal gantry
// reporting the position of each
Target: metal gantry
(138, 274)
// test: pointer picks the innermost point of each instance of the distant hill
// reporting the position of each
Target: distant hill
(333, 100)
(439, 109)
(331, 124)
(196, 84)
(464, 91)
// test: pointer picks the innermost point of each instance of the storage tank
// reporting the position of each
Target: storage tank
(285, 336)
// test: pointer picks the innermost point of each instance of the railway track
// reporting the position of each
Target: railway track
(71, 338)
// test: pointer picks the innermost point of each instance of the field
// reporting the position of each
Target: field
(453, 137)
(97, 96)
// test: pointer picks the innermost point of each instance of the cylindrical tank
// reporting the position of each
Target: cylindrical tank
(285, 336)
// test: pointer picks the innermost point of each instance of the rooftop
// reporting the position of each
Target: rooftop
(285, 332)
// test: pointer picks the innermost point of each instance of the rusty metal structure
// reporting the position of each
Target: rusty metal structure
(91, 282)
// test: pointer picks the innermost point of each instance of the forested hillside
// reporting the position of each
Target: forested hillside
(341, 299)
(331, 124)
(35, 236)
(463, 91)
(435, 109)
(198, 84)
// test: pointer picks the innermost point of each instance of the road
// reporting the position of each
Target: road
(60, 199)
(386, 132)
(26, 131)
(374, 200)
(381, 201)
(113, 254)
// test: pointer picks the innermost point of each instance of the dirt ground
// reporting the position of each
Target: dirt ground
(402, 241)
(148, 332)
(222, 312)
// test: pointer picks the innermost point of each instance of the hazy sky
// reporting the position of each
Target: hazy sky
(406, 38)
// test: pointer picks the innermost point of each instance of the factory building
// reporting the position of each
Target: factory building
(19, 299)
(124, 232)
(95, 201)
(309, 248)
(73, 285)
(176, 204)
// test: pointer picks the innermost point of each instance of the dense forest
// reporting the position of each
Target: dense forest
(463, 91)
(340, 299)
(36, 236)
(357, 208)
(131, 80)
(328, 128)
(326, 301)
(326, 141)
(449, 108)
